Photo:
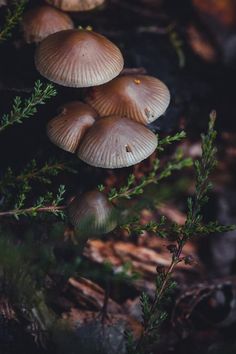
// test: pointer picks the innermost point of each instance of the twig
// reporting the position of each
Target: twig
(153, 312)
(137, 189)
(25, 109)
(46, 203)
(13, 17)
(47, 209)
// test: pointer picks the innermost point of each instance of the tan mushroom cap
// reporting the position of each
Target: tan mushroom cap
(42, 21)
(138, 97)
(3, 3)
(68, 128)
(92, 212)
(115, 142)
(78, 58)
(76, 5)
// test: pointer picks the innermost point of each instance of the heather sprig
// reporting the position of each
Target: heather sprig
(48, 203)
(32, 172)
(13, 17)
(26, 108)
(154, 309)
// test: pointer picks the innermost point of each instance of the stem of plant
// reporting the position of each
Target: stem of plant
(48, 209)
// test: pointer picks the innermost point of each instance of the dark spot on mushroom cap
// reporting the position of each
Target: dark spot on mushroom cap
(128, 148)
(107, 142)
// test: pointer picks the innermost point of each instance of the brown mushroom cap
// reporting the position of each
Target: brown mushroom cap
(78, 58)
(67, 129)
(138, 97)
(92, 212)
(76, 5)
(42, 21)
(115, 142)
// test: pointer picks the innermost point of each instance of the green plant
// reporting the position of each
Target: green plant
(13, 17)
(48, 203)
(20, 186)
(23, 109)
(154, 310)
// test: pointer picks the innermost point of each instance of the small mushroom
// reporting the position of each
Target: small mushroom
(76, 5)
(40, 22)
(115, 142)
(67, 129)
(92, 213)
(3, 3)
(139, 97)
(78, 58)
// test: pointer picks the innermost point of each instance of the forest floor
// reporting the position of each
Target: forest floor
(193, 52)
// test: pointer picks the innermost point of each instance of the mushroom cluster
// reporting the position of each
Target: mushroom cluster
(109, 129)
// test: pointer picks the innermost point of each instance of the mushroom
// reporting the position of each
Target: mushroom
(78, 58)
(40, 22)
(92, 212)
(115, 142)
(76, 5)
(67, 129)
(139, 97)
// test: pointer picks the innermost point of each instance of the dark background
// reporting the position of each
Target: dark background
(198, 83)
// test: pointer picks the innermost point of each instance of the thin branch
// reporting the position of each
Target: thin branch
(153, 312)
(13, 17)
(30, 173)
(27, 108)
(47, 209)
(48, 203)
(130, 191)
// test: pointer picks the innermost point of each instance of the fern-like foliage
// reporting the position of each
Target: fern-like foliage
(17, 186)
(16, 190)
(13, 17)
(23, 109)
(154, 310)
(48, 203)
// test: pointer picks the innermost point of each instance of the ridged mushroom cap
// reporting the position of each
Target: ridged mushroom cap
(138, 97)
(92, 212)
(115, 142)
(76, 5)
(42, 21)
(78, 58)
(68, 128)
